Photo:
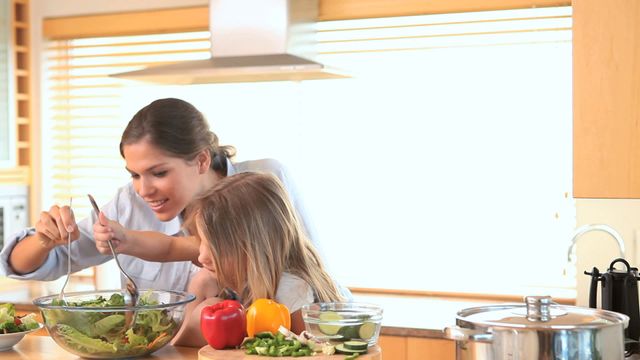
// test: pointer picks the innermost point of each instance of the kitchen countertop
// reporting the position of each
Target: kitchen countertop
(415, 316)
(34, 347)
(207, 353)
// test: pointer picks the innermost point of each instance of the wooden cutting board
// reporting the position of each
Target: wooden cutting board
(208, 353)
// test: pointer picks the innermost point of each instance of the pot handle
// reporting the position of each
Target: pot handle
(461, 334)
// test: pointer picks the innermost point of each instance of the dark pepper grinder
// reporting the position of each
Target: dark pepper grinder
(620, 294)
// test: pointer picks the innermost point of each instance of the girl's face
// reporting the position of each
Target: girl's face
(168, 184)
(205, 257)
(226, 277)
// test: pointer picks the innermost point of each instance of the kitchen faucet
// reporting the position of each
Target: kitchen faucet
(593, 227)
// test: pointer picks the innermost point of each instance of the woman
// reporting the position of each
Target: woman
(172, 157)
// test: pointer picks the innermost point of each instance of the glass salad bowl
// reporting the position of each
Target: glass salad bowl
(343, 321)
(90, 324)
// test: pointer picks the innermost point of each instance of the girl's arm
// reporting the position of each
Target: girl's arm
(205, 287)
(297, 324)
(146, 245)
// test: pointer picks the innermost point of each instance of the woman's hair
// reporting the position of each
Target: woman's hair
(178, 128)
(254, 236)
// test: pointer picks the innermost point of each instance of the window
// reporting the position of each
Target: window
(444, 164)
(86, 111)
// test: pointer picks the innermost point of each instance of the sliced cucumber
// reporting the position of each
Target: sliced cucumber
(343, 350)
(349, 332)
(332, 317)
(367, 330)
(356, 345)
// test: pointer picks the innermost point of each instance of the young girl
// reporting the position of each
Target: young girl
(251, 242)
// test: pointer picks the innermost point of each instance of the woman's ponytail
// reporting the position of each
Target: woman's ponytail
(220, 154)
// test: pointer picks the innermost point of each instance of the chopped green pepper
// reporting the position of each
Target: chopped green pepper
(267, 344)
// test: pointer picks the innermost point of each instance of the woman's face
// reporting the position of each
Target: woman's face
(168, 184)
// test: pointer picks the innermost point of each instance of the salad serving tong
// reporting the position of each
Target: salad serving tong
(131, 294)
(61, 295)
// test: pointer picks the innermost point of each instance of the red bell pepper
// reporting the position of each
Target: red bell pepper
(223, 324)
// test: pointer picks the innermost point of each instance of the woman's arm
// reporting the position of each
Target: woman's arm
(146, 245)
(52, 229)
(29, 254)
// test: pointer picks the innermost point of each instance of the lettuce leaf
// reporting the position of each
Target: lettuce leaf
(8, 308)
(154, 322)
(29, 322)
(136, 340)
(9, 327)
(5, 316)
(105, 325)
(83, 343)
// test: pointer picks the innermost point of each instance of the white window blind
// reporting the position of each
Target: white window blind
(84, 111)
(444, 164)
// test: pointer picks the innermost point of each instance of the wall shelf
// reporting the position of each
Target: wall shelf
(20, 93)
(22, 78)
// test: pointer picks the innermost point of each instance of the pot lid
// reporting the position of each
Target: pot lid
(540, 312)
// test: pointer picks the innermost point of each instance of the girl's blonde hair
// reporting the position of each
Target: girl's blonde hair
(254, 236)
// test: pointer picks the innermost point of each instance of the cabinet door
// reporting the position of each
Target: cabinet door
(413, 348)
(393, 347)
(430, 349)
(606, 99)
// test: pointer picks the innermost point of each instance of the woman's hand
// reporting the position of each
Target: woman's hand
(54, 226)
(110, 231)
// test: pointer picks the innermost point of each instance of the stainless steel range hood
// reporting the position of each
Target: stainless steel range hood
(251, 40)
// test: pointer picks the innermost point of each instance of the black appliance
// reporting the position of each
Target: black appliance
(619, 293)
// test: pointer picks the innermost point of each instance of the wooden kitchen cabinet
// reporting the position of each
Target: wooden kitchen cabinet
(606, 99)
(18, 93)
(414, 348)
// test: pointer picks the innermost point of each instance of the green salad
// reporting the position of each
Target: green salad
(102, 332)
(10, 323)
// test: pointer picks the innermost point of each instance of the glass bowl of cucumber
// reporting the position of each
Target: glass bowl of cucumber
(341, 322)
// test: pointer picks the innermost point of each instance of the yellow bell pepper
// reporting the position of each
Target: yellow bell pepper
(267, 315)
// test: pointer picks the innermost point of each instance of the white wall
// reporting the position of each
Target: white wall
(599, 249)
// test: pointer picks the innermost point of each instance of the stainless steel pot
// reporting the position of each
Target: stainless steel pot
(538, 330)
